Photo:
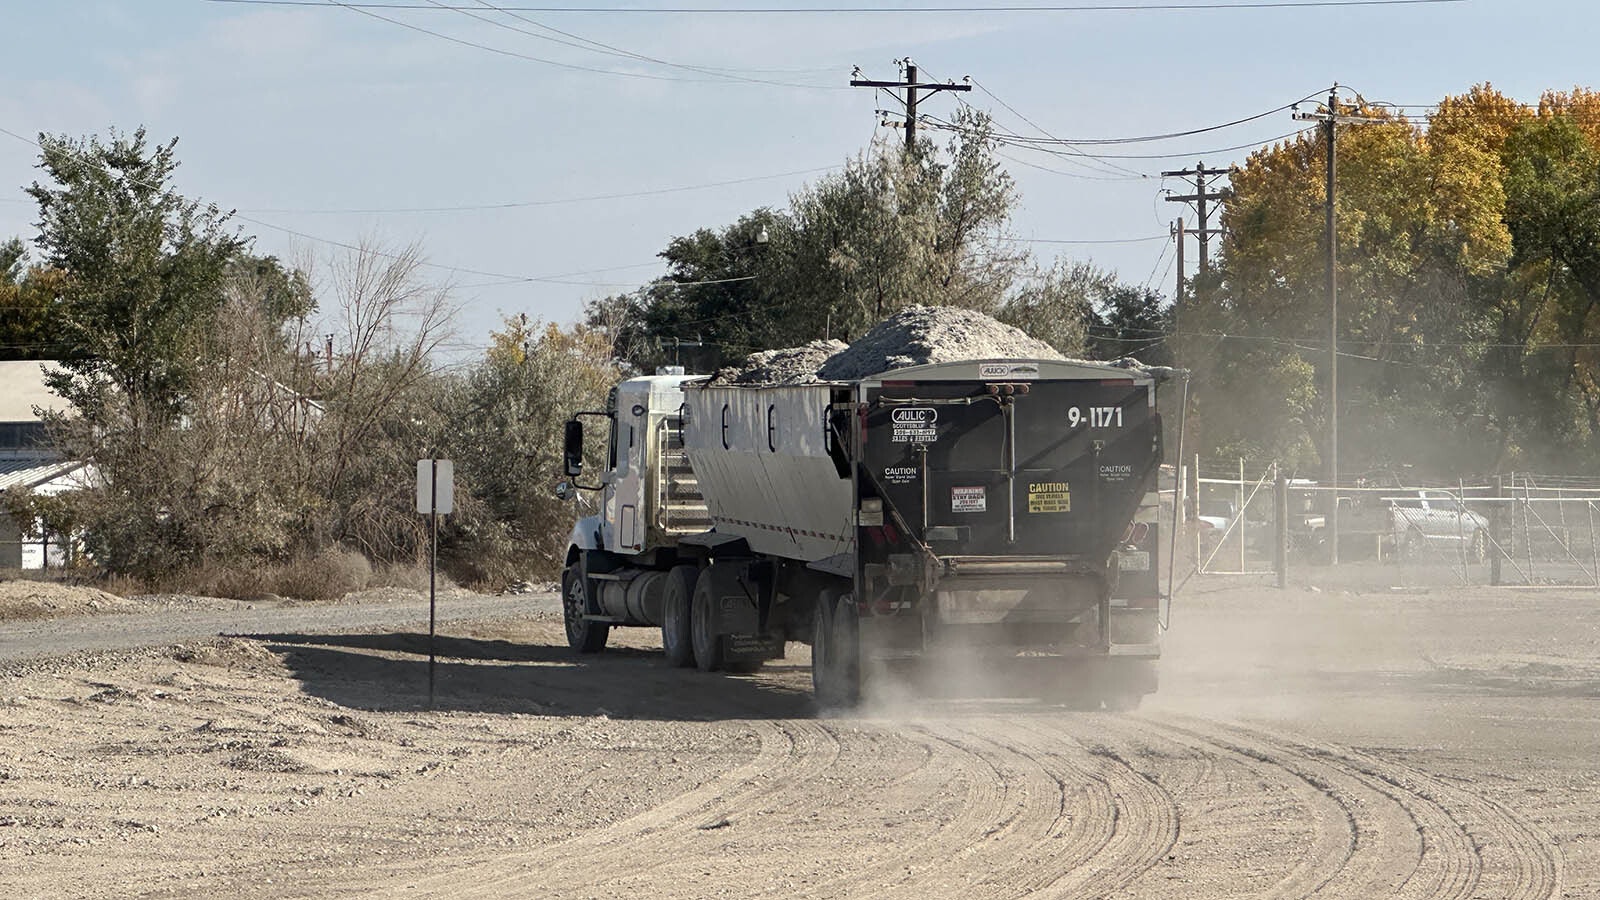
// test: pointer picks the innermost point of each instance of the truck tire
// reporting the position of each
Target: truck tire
(1124, 683)
(835, 652)
(677, 598)
(703, 619)
(583, 634)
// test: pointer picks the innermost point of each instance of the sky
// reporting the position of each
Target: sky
(326, 124)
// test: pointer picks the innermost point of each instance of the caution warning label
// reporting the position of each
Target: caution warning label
(1049, 497)
(968, 499)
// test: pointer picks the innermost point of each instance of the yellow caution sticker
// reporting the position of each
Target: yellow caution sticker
(1049, 497)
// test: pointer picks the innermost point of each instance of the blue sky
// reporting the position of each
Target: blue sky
(285, 112)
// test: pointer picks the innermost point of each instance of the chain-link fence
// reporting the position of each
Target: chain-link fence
(1517, 530)
(1233, 520)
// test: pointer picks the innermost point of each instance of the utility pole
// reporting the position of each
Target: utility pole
(1330, 119)
(1200, 198)
(911, 87)
(1178, 233)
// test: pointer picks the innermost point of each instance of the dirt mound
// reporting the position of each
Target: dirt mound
(932, 334)
(790, 365)
(23, 599)
(912, 337)
(228, 653)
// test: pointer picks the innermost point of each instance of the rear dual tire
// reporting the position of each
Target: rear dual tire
(703, 621)
(836, 652)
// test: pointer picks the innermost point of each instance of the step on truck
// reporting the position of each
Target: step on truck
(1003, 508)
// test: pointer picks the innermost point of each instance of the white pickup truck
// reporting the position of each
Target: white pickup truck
(1413, 524)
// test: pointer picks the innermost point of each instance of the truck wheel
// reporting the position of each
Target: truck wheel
(1127, 683)
(676, 599)
(583, 635)
(835, 652)
(703, 621)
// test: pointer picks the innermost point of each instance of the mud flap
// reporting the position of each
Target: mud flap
(740, 628)
(750, 648)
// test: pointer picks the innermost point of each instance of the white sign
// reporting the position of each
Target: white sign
(1008, 370)
(968, 499)
(425, 486)
(914, 425)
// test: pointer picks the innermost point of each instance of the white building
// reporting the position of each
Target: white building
(29, 463)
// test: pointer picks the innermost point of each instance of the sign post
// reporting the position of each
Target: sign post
(435, 495)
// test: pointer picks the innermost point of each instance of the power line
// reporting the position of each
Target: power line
(1150, 279)
(1023, 162)
(911, 87)
(1201, 198)
(1039, 128)
(1165, 136)
(1109, 168)
(583, 43)
(520, 204)
(794, 10)
(1214, 150)
(366, 10)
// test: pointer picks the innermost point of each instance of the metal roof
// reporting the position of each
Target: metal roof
(32, 471)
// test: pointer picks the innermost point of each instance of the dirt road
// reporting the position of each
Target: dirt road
(1423, 745)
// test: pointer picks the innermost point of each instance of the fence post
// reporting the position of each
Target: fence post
(1497, 530)
(1281, 496)
(1594, 549)
(1240, 518)
(1199, 561)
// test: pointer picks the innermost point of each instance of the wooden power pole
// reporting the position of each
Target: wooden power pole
(1201, 198)
(1331, 119)
(911, 88)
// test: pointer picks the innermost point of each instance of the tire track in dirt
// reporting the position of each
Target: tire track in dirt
(983, 810)
(1036, 827)
(1475, 825)
(780, 747)
(1384, 847)
(1333, 838)
(1440, 858)
(1144, 817)
(1057, 813)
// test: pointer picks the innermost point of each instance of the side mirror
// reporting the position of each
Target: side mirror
(563, 490)
(572, 448)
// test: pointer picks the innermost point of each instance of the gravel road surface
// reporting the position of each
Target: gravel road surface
(173, 620)
(1436, 744)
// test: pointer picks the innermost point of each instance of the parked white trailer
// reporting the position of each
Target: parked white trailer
(1003, 507)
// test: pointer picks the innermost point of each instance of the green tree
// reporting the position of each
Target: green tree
(144, 269)
(507, 443)
(27, 305)
(1421, 242)
(891, 230)
(1548, 312)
